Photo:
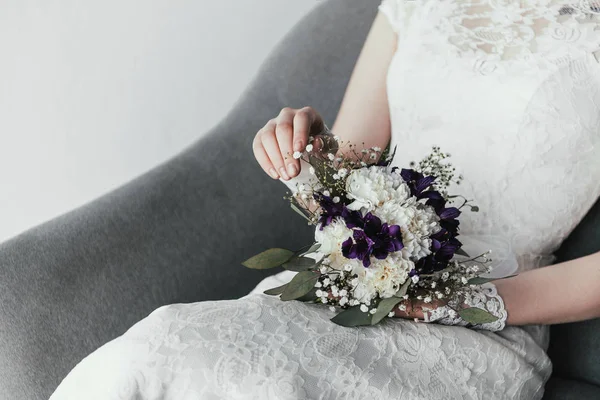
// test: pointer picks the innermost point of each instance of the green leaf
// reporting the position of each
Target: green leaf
(476, 315)
(299, 264)
(275, 291)
(312, 249)
(299, 211)
(403, 289)
(461, 252)
(480, 280)
(269, 259)
(310, 296)
(301, 284)
(383, 309)
(352, 317)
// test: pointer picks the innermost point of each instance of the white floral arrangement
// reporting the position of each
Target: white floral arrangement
(384, 237)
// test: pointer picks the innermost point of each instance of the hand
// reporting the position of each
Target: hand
(414, 309)
(275, 144)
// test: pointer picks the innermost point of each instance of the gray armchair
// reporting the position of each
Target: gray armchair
(74, 283)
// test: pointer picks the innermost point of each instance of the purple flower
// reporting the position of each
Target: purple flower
(386, 238)
(416, 181)
(330, 209)
(361, 248)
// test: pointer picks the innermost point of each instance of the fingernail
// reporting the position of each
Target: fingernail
(292, 169)
(298, 145)
(283, 173)
(273, 173)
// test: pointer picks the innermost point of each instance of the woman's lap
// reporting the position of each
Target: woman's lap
(258, 347)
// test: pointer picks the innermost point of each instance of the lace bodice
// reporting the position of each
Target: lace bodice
(512, 90)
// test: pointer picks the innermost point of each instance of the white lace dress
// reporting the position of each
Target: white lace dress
(512, 90)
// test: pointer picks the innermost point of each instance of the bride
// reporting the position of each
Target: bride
(511, 89)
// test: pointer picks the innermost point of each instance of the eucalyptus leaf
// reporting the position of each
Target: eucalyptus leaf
(276, 290)
(383, 309)
(310, 296)
(481, 280)
(299, 264)
(301, 284)
(352, 317)
(312, 249)
(299, 211)
(403, 289)
(461, 252)
(270, 258)
(476, 315)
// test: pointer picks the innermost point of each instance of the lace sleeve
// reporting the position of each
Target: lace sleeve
(398, 12)
(485, 297)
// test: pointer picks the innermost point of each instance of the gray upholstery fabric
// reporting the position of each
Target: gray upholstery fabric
(566, 389)
(175, 234)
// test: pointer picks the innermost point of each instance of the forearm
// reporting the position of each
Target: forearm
(559, 293)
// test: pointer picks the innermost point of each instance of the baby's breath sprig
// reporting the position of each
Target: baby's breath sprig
(436, 164)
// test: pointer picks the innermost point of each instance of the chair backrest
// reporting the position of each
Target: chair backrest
(575, 348)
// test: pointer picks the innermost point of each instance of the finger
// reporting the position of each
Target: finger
(263, 158)
(271, 146)
(303, 120)
(285, 134)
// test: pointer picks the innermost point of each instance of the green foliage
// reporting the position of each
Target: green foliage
(300, 285)
(276, 291)
(384, 307)
(270, 258)
(476, 315)
(299, 264)
(352, 317)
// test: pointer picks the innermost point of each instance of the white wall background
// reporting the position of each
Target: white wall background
(95, 92)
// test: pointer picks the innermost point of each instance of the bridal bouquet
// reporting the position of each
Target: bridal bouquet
(384, 237)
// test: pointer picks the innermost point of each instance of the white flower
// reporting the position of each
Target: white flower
(464, 280)
(323, 269)
(311, 170)
(445, 275)
(326, 193)
(343, 293)
(326, 282)
(343, 301)
(440, 295)
(433, 285)
(377, 148)
(324, 300)
(297, 155)
(391, 314)
(336, 176)
(388, 275)
(364, 308)
(372, 187)
(422, 223)
(336, 199)
(330, 156)
(373, 310)
(309, 148)
(318, 285)
(415, 278)
(402, 307)
(342, 172)
(427, 299)
(319, 293)
(332, 236)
